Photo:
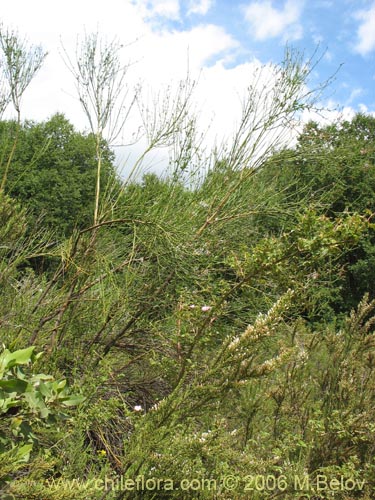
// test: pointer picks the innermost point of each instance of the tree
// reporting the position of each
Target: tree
(332, 168)
(54, 171)
(336, 162)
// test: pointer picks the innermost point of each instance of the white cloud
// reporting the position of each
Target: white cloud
(366, 31)
(53, 89)
(165, 56)
(328, 56)
(267, 21)
(168, 9)
(365, 110)
(200, 6)
(330, 114)
(354, 94)
(159, 56)
(325, 4)
(317, 38)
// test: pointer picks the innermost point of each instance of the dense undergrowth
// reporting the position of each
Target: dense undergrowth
(215, 341)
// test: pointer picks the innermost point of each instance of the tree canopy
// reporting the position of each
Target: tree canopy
(53, 172)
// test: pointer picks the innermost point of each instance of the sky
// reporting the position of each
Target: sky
(219, 42)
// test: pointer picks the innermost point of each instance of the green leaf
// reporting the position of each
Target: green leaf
(14, 385)
(35, 400)
(60, 385)
(5, 404)
(44, 413)
(41, 376)
(20, 357)
(23, 453)
(44, 389)
(73, 400)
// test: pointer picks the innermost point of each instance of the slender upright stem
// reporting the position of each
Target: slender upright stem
(11, 154)
(98, 175)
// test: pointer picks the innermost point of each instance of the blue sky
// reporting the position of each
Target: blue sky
(221, 42)
(232, 32)
(342, 30)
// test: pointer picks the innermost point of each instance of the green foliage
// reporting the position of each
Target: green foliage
(332, 168)
(27, 402)
(210, 329)
(53, 172)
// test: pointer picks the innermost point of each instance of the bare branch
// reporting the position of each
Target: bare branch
(18, 65)
(103, 93)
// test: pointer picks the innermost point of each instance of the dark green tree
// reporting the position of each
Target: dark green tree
(54, 171)
(333, 168)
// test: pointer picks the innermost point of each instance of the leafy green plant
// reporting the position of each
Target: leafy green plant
(27, 402)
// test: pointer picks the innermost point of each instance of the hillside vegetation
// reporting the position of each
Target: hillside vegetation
(167, 339)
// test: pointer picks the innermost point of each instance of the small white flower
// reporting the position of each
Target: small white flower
(204, 436)
(138, 408)
(206, 308)
(234, 342)
(203, 204)
(192, 306)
